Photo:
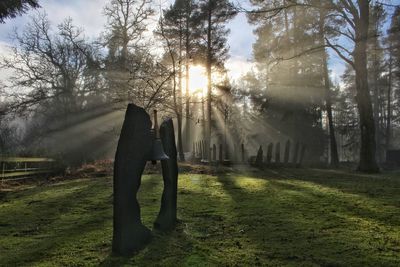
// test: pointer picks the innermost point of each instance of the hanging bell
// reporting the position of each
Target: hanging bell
(157, 152)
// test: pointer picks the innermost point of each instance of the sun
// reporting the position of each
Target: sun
(197, 79)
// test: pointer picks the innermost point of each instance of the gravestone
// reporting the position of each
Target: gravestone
(259, 158)
(214, 149)
(296, 153)
(393, 157)
(243, 155)
(220, 156)
(302, 154)
(287, 152)
(166, 219)
(134, 148)
(269, 153)
(278, 153)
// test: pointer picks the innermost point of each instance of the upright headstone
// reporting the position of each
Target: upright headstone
(296, 153)
(259, 158)
(302, 154)
(214, 152)
(287, 152)
(166, 219)
(235, 153)
(134, 148)
(220, 156)
(243, 155)
(269, 153)
(278, 153)
(201, 149)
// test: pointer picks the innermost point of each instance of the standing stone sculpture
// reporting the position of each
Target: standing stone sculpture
(137, 145)
(134, 148)
(167, 219)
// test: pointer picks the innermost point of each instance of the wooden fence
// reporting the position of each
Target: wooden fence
(18, 168)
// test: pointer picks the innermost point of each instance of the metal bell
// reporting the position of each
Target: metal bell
(157, 152)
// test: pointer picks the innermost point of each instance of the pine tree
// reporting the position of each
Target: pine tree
(291, 76)
(214, 14)
(13, 8)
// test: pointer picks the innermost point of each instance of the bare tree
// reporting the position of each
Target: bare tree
(49, 65)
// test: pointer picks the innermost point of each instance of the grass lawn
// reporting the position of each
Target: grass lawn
(294, 217)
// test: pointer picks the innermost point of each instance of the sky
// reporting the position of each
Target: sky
(88, 14)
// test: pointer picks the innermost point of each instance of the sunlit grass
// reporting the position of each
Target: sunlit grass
(286, 217)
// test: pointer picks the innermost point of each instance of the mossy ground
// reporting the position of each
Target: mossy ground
(276, 217)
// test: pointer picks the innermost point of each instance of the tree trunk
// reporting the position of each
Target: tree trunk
(376, 106)
(180, 102)
(389, 101)
(328, 101)
(187, 95)
(209, 78)
(367, 125)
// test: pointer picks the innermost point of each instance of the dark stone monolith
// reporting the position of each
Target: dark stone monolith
(278, 153)
(134, 148)
(287, 152)
(166, 219)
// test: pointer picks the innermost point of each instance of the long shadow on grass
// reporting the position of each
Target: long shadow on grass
(383, 187)
(41, 228)
(288, 224)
